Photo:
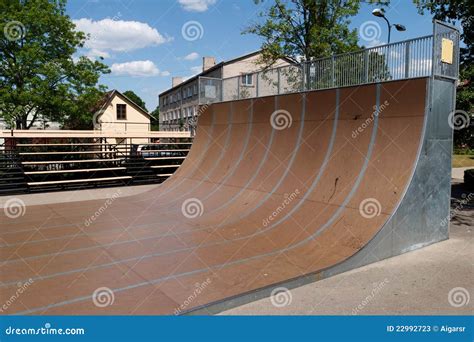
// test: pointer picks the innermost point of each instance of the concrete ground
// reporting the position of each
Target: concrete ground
(458, 172)
(415, 283)
(78, 195)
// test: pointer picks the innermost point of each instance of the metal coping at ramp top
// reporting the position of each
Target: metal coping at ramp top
(276, 191)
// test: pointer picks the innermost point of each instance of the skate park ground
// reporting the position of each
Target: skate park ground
(415, 283)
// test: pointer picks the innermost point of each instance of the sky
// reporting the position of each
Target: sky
(147, 42)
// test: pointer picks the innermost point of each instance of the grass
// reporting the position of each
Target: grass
(463, 160)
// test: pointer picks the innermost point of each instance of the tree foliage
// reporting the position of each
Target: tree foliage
(453, 11)
(135, 98)
(305, 29)
(39, 78)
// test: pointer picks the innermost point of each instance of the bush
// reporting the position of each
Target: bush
(463, 151)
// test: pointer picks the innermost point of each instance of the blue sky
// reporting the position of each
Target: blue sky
(145, 42)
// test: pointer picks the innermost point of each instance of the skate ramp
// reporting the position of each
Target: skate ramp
(274, 189)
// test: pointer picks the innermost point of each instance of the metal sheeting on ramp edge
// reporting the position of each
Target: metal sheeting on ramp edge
(251, 206)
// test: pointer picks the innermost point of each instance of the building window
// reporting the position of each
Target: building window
(247, 80)
(121, 111)
(195, 89)
(190, 92)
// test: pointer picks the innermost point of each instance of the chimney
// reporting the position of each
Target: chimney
(176, 81)
(208, 62)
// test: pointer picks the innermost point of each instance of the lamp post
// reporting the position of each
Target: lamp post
(379, 12)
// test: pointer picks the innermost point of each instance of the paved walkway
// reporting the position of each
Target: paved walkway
(78, 195)
(458, 172)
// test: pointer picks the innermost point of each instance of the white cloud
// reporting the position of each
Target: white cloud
(191, 57)
(196, 69)
(165, 73)
(119, 35)
(137, 69)
(196, 5)
(94, 53)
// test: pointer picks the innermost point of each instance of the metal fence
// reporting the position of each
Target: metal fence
(401, 60)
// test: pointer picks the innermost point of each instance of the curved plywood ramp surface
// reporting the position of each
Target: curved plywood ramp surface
(273, 189)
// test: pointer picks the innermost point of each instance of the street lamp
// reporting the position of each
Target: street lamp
(379, 12)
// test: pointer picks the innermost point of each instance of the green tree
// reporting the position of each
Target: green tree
(461, 11)
(39, 78)
(305, 29)
(135, 98)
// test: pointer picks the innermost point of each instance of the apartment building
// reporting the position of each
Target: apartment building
(180, 104)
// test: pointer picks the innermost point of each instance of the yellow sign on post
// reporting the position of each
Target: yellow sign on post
(447, 51)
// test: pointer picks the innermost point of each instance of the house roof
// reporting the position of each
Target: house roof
(215, 67)
(109, 96)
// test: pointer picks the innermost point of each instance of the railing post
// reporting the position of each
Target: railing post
(304, 74)
(366, 66)
(333, 71)
(238, 87)
(199, 90)
(407, 59)
(222, 89)
(278, 81)
(256, 84)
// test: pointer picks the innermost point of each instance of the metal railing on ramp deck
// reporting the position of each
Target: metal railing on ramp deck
(413, 58)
